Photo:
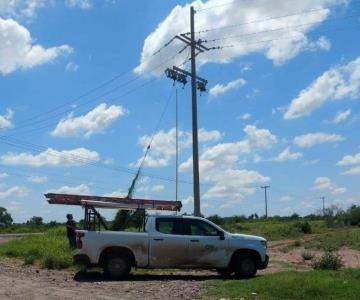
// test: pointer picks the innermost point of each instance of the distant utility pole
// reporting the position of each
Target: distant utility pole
(180, 75)
(323, 203)
(266, 205)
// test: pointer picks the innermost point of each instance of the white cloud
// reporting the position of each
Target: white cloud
(18, 52)
(338, 83)
(287, 155)
(219, 89)
(353, 171)
(261, 138)
(233, 185)
(71, 67)
(244, 117)
(118, 193)
(312, 139)
(207, 135)
(81, 189)
(15, 191)
(38, 179)
(325, 184)
(51, 157)
(95, 121)
(157, 188)
(340, 116)
(228, 153)
(349, 160)
(219, 165)
(3, 175)
(5, 120)
(83, 4)
(21, 8)
(280, 45)
(163, 145)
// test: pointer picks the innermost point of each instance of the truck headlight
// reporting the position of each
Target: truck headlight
(264, 243)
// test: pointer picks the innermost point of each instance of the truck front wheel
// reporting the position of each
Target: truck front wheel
(245, 266)
(116, 267)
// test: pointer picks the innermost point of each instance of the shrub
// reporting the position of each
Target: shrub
(304, 227)
(307, 255)
(297, 243)
(329, 261)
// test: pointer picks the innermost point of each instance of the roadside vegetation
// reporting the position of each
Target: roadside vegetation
(50, 250)
(289, 285)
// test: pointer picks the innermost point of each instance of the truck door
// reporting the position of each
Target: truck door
(205, 246)
(168, 245)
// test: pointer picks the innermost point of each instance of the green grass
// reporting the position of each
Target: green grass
(349, 237)
(23, 228)
(51, 250)
(274, 230)
(289, 285)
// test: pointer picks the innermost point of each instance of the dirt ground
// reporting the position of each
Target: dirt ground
(18, 281)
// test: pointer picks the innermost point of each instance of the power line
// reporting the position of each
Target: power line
(89, 92)
(274, 30)
(216, 6)
(261, 20)
(95, 99)
(268, 40)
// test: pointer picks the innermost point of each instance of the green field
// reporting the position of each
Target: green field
(289, 285)
(274, 230)
(49, 250)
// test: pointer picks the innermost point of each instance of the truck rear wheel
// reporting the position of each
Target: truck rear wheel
(116, 267)
(245, 266)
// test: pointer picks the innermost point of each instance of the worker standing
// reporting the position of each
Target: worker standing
(70, 231)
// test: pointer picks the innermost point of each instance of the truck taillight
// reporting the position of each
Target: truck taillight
(79, 243)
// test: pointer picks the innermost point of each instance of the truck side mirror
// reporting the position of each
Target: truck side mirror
(222, 235)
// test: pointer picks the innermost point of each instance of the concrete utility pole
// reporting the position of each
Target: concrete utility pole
(197, 83)
(323, 203)
(196, 176)
(266, 205)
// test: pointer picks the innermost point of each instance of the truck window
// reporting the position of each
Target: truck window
(198, 227)
(169, 225)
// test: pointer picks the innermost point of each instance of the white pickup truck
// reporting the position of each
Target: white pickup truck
(172, 242)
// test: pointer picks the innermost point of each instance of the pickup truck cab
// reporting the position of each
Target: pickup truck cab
(172, 242)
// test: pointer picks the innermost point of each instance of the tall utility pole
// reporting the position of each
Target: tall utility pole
(196, 176)
(197, 83)
(266, 204)
(177, 147)
(323, 204)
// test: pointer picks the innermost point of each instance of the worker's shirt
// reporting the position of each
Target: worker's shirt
(70, 228)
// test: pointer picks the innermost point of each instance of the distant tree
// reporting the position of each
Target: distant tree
(216, 219)
(256, 216)
(294, 216)
(5, 217)
(251, 217)
(37, 221)
(122, 216)
(53, 223)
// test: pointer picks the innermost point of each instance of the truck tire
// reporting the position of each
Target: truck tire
(245, 266)
(225, 272)
(116, 266)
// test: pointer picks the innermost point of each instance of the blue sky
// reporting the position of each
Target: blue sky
(281, 108)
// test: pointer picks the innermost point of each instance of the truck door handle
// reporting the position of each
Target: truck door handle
(194, 241)
(158, 239)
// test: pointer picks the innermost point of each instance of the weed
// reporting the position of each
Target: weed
(307, 255)
(297, 243)
(329, 261)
